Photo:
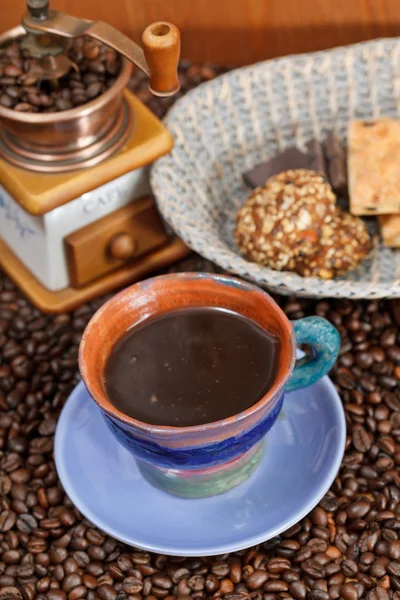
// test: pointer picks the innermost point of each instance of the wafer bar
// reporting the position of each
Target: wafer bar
(373, 167)
(390, 230)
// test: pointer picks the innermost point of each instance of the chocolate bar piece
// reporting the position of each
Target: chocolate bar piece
(390, 230)
(291, 158)
(315, 151)
(373, 167)
(336, 159)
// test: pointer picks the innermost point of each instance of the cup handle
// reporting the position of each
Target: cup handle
(324, 340)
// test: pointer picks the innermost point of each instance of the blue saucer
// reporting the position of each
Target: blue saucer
(302, 456)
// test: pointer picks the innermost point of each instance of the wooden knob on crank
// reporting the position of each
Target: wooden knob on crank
(162, 46)
(122, 246)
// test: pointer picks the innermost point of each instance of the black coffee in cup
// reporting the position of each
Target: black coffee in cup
(191, 366)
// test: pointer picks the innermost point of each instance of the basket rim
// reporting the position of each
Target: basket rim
(232, 262)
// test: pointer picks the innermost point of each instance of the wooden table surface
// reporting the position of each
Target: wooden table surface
(239, 31)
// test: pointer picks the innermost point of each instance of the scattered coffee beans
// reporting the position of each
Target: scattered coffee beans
(346, 548)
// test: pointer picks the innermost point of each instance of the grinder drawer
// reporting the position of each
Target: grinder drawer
(113, 240)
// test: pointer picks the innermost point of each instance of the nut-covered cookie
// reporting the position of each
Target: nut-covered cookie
(282, 221)
(344, 242)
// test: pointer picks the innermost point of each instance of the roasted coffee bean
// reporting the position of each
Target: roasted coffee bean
(11, 70)
(58, 555)
(180, 573)
(212, 583)
(349, 568)
(79, 98)
(256, 580)
(28, 591)
(94, 537)
(11, 557)
(320, 533)
(162, 581)
(24, 107)
(56, 595)
(6, 581)
(6, 99)
(47, 427)
(379, 566)
(361, 439)
(290, 576)
(378, 593)
(313, 569)
(96, 66)
(393, 568)
(298, 590)
(319, 517)
(132, 585)
(115, 572)
(77, 593)
(394, 549)
(63, 104)
(316, 594)
(278, 565)
(89, 582)
(183, 589)
(81, 558)
(276, 585)
(96, 552)
(220, 569)
(26, 523)
(7, 520)
(226, 587)
(93, 90)
(91, 50)
(106, 592)
(10, 593)
(70, 566)
(237, 596)
(160, 593)
(358, 509)
(141, 558)
(25, 570)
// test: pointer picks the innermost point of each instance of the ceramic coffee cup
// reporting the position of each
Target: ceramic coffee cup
(203, 460)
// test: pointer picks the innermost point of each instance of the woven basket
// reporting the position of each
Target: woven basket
(227, 126)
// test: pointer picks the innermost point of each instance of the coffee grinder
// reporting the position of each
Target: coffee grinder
(76, 214)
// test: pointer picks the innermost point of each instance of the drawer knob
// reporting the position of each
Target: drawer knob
(122, 246)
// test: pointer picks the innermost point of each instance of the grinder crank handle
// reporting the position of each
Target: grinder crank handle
(162, 47)
(161, 42)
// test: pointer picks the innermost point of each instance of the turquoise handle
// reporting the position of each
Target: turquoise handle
(324, 340)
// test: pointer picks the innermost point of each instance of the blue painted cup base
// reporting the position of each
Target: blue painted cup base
(202, 483)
